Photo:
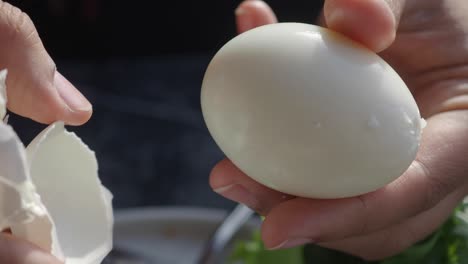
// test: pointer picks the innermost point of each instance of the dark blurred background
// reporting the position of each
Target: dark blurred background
(141, 64)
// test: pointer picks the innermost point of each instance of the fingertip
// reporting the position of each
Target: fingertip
(77, 109)
(372, 23)
(230, 182)
(220, 176)
(75, 118)
(253, 13)
(35, 89)
(273, 236)
(57, 111)
(277, 224)
(298, 221)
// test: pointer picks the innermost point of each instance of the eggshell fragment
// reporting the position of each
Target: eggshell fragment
(22, 210)
(12, 157)
(41, 232)
(21, 203)
(308, 112)
(51, 194)
(64, 171)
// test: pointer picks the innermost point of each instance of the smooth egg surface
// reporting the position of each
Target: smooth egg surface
(308, 112)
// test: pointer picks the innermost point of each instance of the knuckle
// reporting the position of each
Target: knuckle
(402, 242)
(16, 23)
(376, 250)
(364, 223)
(398, 244)
(370, 255)
(435, 188)
(392, 247)
(390, 242)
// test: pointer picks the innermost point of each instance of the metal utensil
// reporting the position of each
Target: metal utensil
(214, 247)
(123, 256)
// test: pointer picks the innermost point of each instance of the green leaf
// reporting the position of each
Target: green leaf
(254, 252)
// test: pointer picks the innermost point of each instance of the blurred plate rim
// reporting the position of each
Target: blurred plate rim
(185, 213)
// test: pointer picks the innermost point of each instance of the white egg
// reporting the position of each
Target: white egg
(308, 112)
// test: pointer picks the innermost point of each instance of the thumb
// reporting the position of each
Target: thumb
(15, 251)
(35, 89)
(372, 22)
(253, 13)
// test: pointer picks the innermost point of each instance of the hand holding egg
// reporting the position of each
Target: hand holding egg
(308, 112)
(291, 124)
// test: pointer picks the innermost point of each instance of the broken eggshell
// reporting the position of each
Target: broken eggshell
(59, 158)
(51, 193)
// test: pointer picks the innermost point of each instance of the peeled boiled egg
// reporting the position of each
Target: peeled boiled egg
(309, 112)
(51, 193)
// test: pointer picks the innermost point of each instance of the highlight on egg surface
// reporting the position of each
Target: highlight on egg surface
(308, 112)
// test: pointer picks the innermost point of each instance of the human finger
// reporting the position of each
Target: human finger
(253, 13)
(34, 86)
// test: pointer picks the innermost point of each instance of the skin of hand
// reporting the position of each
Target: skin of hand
(15, 251)
(38, 91)
(426, 41)
(34, 86)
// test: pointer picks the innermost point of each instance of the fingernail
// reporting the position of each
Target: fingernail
(383, 43)
(244, 20)
(239, 194)
(291, 243)
(239, 11)
(335, 16)
(70, 95)
(376, 32)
